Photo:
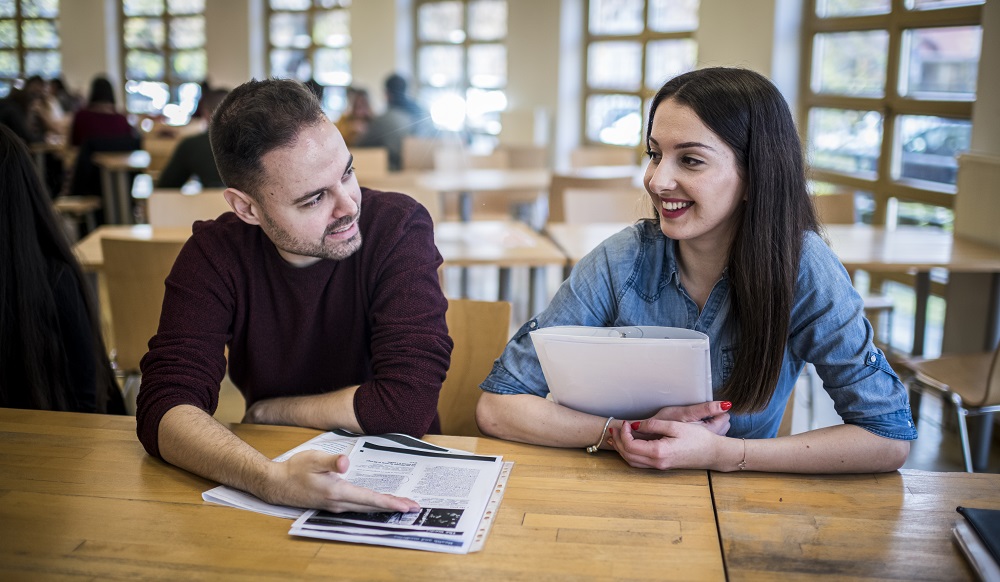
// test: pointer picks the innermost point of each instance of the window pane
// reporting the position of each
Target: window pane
(614, 119)
(614, 65)
(441, 22)
(487, 19)
(483, 109)
(48, 64)
(8, 34)
(290, 30)
(189, 65)
(488, 66)
(673, 15)
(290, 64)
(7, 9)
(441, 66)
(935, 4)
(332, 29)
(616, 16)
(828, 8)
(186, 6)
(334, 99)
(142, 7)
(850, 63)
(333, 4)
(928, 147)
(915, 213)
(4, 89)
(144, 33)
(290, 4)
(665, 59)
(143, 65)
(146, 96)
(9, 65)
(332, 66)
(941, 63)
(39, 8)
(40, 34)
(845, 140)
(187, 33)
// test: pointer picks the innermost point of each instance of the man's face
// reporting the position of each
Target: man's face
(310, 199)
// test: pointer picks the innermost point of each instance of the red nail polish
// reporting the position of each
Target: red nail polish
(612, 430)
(726, 405)
(635, 425)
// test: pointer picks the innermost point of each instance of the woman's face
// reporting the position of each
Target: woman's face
(692, 178)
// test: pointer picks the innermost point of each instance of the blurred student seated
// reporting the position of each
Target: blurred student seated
(193, 155)
(52, 356)
(403, 117)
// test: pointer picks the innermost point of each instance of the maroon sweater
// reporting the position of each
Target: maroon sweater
(376, 319)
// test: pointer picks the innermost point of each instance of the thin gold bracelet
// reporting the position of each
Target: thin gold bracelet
(743, 463)
(597, 446)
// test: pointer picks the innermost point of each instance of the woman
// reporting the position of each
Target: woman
(734, 254)
(100, 119)
(51, 353)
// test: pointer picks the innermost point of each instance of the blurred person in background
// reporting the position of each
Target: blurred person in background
(193, 155)
(353, 123)
(403, 117)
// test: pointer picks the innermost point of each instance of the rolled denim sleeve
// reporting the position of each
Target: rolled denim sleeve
(828, 328)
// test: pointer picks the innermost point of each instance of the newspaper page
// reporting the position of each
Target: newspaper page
(337, 442)
(458, 493)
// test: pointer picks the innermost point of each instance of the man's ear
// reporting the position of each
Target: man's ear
(243, 205)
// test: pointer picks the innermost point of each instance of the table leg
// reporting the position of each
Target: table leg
(980, 435)
(993, 315)
(504, 293)
(124, 195)
(537, 286)
(465, 206)
(922, 287)
(107, 192)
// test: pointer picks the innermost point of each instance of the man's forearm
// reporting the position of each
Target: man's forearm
(322, 411)
(192, 440)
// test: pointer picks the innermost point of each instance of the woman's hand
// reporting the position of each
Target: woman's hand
(671, 444)
(711, 415)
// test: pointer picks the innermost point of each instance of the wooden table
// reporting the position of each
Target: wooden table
(115, 167)
(80, 499)
(889, 526)
(860, 246)
(88, 251)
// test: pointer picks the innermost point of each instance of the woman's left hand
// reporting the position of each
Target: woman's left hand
(675, 445)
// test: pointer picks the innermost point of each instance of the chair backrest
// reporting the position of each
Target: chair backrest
(171, 208)
(160, 150)
(456, 159)
(525, 156)
(430, 199)
(480, 330)
(371, 162)
(560, 184)
(836, 208)
(134, 271)
(418, 152)
(586, 156)
(589, 205)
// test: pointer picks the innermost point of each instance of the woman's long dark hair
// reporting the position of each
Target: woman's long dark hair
(33, 360)
(747, 112)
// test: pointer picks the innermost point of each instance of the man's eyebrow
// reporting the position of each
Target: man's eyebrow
(308, 195)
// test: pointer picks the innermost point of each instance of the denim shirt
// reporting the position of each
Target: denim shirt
(633, 279)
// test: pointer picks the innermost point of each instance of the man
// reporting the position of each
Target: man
(325, 293)
(402, 117)
(193, 155)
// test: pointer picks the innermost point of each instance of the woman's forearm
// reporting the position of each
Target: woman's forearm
(531, 419)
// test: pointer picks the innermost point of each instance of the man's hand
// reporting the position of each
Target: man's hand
(313, 479)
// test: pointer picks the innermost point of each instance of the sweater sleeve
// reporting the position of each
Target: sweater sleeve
(186, 360)
(410, 346)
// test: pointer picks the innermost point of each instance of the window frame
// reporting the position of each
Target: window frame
(644, 93)
(891, 105)
(19, 19)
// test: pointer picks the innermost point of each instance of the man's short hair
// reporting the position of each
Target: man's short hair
(254, 119)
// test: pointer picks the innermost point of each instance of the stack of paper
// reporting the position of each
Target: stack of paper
(458, 492)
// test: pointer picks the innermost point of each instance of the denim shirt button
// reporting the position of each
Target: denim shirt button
(533, 325)
(873, 359)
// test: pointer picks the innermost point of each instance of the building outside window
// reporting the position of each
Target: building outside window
(310, 40)
(163, 52)
(461, 64)
(29, 41)
(632, 48)
(888, 88)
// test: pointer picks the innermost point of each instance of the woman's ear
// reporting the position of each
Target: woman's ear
(243, 205)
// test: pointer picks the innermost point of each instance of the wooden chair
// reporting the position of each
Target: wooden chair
(371, 163)
(418, 152)
(839, 208)
(525, 156)
(480, 330)
(171, 208)
(971, 382)
(562, 188)
(134, 272)
(586, 156)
